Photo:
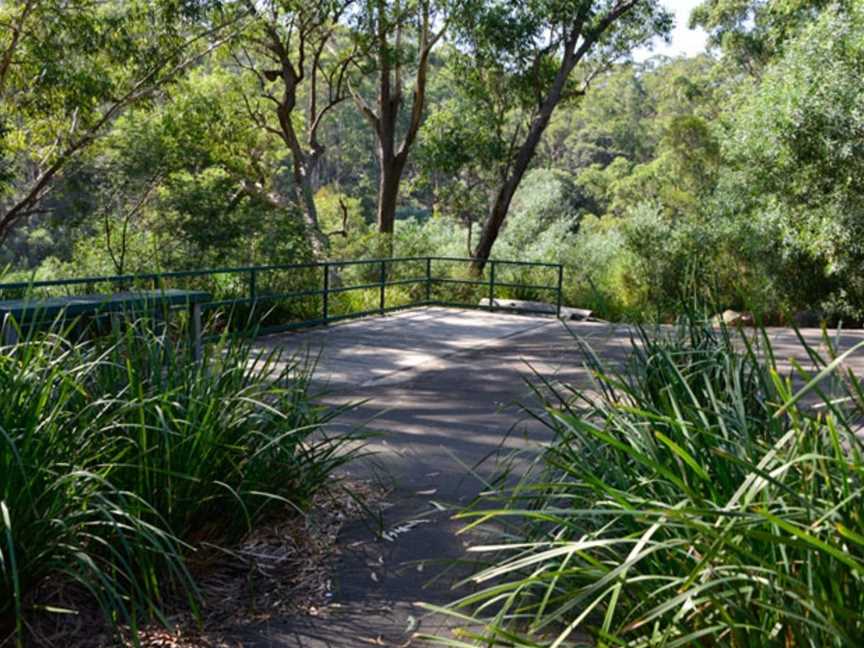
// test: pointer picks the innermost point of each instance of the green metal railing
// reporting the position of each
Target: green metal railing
(324, 287)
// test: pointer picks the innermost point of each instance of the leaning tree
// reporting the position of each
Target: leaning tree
(539, 54)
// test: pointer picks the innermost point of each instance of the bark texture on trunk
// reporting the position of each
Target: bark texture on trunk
(391, 169)
(504, 195)
(303, 189)
(296, 48)
(392, 156)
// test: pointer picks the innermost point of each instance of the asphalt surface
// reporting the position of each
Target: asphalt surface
(444, 391)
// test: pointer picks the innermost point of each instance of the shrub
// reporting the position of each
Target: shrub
(119, 461)
(794, 156)
(689, 499)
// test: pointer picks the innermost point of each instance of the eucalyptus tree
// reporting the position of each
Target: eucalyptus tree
(754, 32)
(299, 53)
(397, 37)
(459, 153)
(69, 68)
(537, 55)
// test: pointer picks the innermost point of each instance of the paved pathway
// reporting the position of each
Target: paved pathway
(442, 388)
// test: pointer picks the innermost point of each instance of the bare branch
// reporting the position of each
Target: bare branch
(344, 208)
(420, 81)
(127, 217)
(365, 109)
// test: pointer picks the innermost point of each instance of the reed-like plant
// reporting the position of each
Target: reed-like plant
(693, 497)
(121, 458)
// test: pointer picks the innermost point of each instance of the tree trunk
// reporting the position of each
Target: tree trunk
(389, 105)
(303, 190)
(314, 166)
(314, 235)
(305, 196)
(388, 191)
(570, 58)
(392, 158)
(504, 195)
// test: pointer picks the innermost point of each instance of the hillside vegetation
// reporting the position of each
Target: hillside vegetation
(236, 134)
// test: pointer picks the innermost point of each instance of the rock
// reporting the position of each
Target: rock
(734, 318)
(567, 312)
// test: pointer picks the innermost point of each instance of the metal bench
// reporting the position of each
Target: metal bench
(18, 314)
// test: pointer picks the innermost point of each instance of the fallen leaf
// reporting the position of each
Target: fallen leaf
(412, 624)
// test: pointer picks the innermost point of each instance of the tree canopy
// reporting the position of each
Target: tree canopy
(173, 134)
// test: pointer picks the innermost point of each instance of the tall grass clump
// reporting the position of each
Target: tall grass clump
(695, 496)
(122, 460)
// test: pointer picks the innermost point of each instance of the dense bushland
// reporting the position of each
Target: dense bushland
(734, 173)
(121, 460)
(695, 496)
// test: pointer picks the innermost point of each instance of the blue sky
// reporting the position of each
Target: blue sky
(684, 41)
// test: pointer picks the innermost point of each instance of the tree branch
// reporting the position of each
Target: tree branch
(15, 29)
(148, 84)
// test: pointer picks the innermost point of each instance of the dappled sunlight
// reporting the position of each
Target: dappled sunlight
(448, 385)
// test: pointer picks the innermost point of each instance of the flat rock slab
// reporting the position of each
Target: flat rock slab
(565, 312)
(443, 389)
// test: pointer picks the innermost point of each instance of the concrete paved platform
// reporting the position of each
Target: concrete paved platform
(394, 348)
(443, 389)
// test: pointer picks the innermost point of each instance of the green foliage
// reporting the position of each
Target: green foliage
(169, 188)
(69, 69)
(701, 178)
(753, 32)
(459, 152)
(341, 218)
(543, 223)
(416, 238)
(120, 462)
(796, 162)
(615, 122)
(688, 498)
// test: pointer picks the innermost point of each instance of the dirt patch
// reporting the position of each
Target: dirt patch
(279, 569)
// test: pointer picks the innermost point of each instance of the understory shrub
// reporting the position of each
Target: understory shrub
(694, 496)
(639, 267)
(121, 460)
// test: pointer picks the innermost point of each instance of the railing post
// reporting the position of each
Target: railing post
(492, 286)
(157, 308)
(383, 285)
(253, 286)
(560, 290)
(428, 279)
(325, 303)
